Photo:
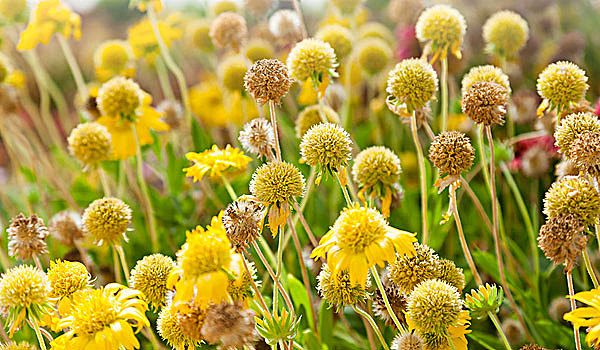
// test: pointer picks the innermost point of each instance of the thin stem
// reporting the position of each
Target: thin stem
(573, 307)
(462, 239)
(386, 300)
(4, 336)
(149, 334)
(229, 189)
(450, 342)
(121, 184)
(72, 62)
(597, 230)
(344, 191)
(116, 266)
(38, 333)
(477, 203)
(300, 215)
(150, 219)
(124, 265)
(163, 79)
(483, 157)
(444, 87)
(496, 322)
(275, 132)
(299, 13)
(373, 325)
(164, 50)
(422, 175)
(494, 198)
(257, 293)
(589, 267)
(279, 266)
(38, 263)
(103, 181)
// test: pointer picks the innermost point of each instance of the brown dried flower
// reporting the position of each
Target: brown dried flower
(451, 152)
(258, 138)
(191, 319)
(562, 239)
(585, 150)
(267, 80)
(242, 221)
(230, 325)
(395, 297)
(26, 237)
(65, 227)
(229, 30)
(486, 102)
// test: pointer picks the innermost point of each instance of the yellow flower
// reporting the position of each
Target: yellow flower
(456, 333)
(122, 130)
(216, 161)
(142, 39)
(113, 57)
(49, 17)
(202, 264)
(104, 319)
(216, 108)
(142, 5)
(587, 316)
(13, 10)
(359, 239)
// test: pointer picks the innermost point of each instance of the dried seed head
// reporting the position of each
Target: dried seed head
(374, 54)
(232, 71)
(396, 299)
(532, 347)
(172, 113)
(535, 162)
(257, 137)
(515, 334)
(451, 152)
(562, 83)
(169, 329)
(376, 166)
(434, 306)
(487, 73)
(573, 195)
(585, 150)
(277, 183)
(505, 32)
(66, 228)
(408, 271)
(106, 220)
(311, 116)
(242, 221)
(486, 103)
(27, 237)
(571, 128)
(311, 58)
(190, 320)
(339, 37)
(413, 83)
(562, 239)
(326, 145)
(442, 25)
(149, 276)
(286, 26)
(338, 290)
(407, 341)
(229, 30)
(229, 325)
(267, 80)
(558, 308)
(566, 167)
(90, 143)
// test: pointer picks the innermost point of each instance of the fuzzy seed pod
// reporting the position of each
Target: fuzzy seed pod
(27, 237)
(229, 30)
(562, 239)
(451, 152)
(267, 80)
(242, 220)
(486, 103)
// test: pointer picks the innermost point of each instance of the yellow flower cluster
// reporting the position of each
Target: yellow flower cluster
(49, 17)
(143, 42)
(216, 162)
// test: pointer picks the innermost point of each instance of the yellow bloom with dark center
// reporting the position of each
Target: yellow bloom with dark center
(359, 239)
(573, 195)
(114, 57)
(374, 54)
(142, 39)
(312, 58)
(49, 17)
(505, 32)
(149, 276)
(339, 291)
(169, 330)
(442, 27)
(106, 220)
(201, 264)
(216, 162)
(23, 296)
(67, 277)
(587, 316)
(104, 319)
(561, 84)
(339, 37)
(411, 85)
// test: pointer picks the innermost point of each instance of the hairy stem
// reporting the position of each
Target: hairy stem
(386, 300)
(422, 176)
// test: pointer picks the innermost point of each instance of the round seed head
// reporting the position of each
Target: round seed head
(311, 58)
(277, 183)
(396, 299)
(571, 128)
(558, 308)
(487, 73)
(573, 195)
(338, 37)
(338, 290)
(449, 273)
(149, 276)
(311, 116)
(267, 80)
(442, 25)
(191, 320)
(407, 341)
(514, 332)
(535, 162)
(172, 113)
(90, 143)
(67, 277)
(257, 137)
(408, 271)
(451, 152)
(106, 220)
(562, 239)
(486, 103)
(228, 30)
(232, 72)
(286, 26)
(242, 221)
(170, 331)
(326, 145)
(585, 150)
(413, 82)
(66, 228)
(230, 325)
(374, 54)
(376, 166)
(119, 97)
(22, 287)
(27, 237)
(434, 306)
(562, 83)
(505, 32)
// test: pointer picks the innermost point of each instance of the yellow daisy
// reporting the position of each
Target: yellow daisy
(104, 319)
(49, 17)
(142, 39)
(588, 316)
(359, 239)
(216, 162)
(456, 332)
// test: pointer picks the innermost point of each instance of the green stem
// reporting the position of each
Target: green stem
(228, 187)
(279, 267)
(38, 333)
(103, 180)
(589, 267)
(483, 157)
(150, 219)
(164, 50)
(275, 132)
(496, 322)
(257, 293)
(450, 342)
(373, 325)
(462, 239)
(386, 300)
(163, 79)
(75, 70)
(344, 191)
(116, 267)
(573, 307)
(422, 176)
(444, 86)
(124, 265)
(121, 184)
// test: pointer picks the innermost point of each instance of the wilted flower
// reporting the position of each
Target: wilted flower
(149, 276)
(407, 341)
(257, 137)
(286, 26)
(486, 103)
(169, 329)
(562, 239)
(66, 228)
(505, 32)
(513, 330)
(561, 84)
(172, 112)
(411, 85)
(449, 273)
(451, 152)
(106, 220)
(27, 237)
(267, 80)
(229, 30)
(243, 221)
(442, 27)
(229, 325)
(216, 162)
(396, 298)
(339, 290)
(558, 308)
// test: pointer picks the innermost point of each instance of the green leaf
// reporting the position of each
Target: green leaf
(175, 176)
(326, 323)
(487, 341)
(300, 298)
(199, 137)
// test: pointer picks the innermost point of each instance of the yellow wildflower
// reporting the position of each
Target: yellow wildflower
(142, 39)
(216, 161)
(587, 316)
(49, 17)
(113, 57)
(216, 108)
